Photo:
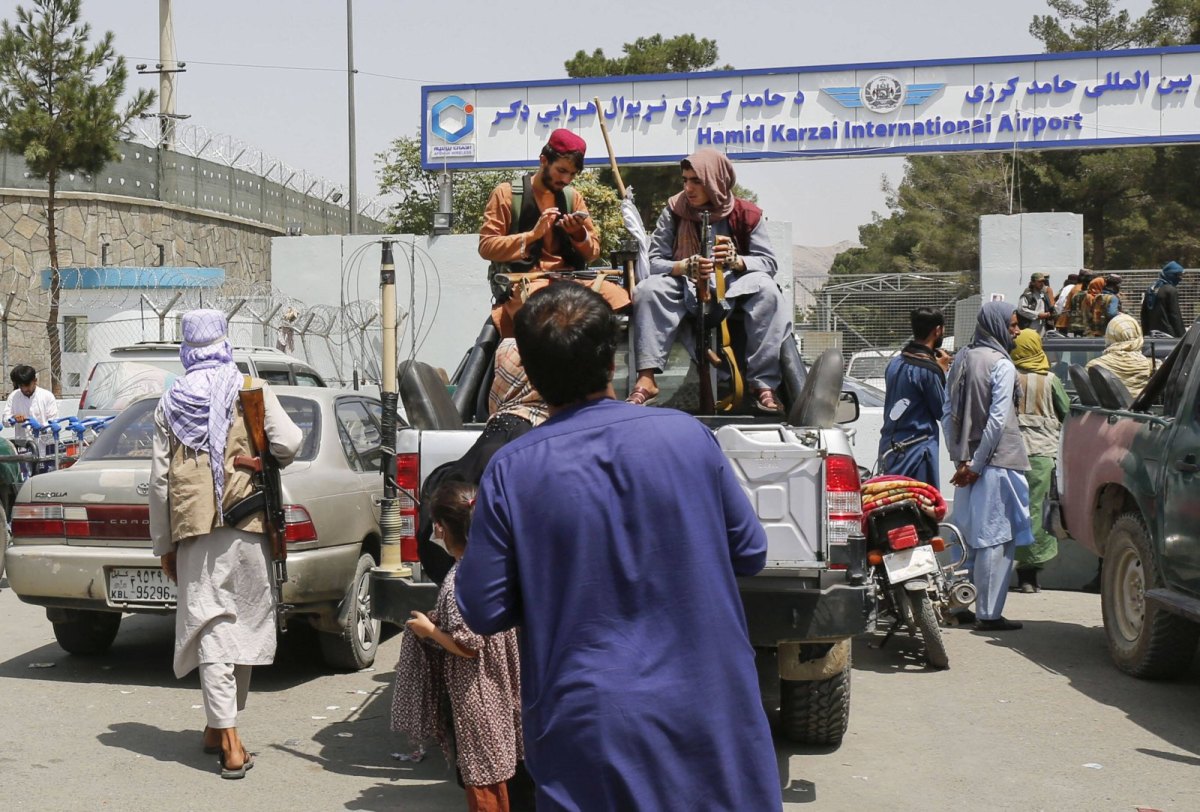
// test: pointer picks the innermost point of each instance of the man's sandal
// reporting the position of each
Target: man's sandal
(240, 772)
(765, 401)
(641, 396)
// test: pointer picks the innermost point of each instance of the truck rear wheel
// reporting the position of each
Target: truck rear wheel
(816, 711)
(85, 632)
(1144, 639)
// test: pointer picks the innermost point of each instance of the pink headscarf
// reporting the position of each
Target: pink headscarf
(718, 177)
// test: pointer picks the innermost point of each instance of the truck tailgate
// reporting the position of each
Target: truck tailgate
(783, 478)
(439, 447)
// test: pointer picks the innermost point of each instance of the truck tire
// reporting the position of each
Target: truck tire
(353, 647)
(816, 711)
(931, 631)
(1144, 640)
(85, 632)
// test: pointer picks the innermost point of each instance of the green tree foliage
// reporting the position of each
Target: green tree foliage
(681, 54)
(1139, 204)
(59, 97)
(401, 174)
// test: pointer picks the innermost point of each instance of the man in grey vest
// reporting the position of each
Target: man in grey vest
(983, 438)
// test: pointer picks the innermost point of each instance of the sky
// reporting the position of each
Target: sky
(296, 110)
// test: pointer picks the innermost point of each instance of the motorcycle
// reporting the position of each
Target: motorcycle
(915, 591)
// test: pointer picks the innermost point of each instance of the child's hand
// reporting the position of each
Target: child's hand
(420, 625)
(20, 418)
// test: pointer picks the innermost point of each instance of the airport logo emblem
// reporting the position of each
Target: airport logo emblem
(882, 94)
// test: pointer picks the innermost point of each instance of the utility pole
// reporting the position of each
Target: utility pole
(350, 107)
(166, 77)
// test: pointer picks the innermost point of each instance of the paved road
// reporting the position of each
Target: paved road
(1037, 719)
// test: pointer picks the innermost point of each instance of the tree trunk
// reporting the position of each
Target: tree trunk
(52, 332)
(1099, 252)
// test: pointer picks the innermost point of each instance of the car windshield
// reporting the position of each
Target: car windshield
(131, 433)
(1066, 353)
(116, 384)
(867, 395)
(868, 366)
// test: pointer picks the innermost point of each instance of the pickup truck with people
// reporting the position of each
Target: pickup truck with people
(1130, 472)
(812, 597)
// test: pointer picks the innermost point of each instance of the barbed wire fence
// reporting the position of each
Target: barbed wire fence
(340, 342)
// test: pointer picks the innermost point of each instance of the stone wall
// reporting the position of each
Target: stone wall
(133, 230)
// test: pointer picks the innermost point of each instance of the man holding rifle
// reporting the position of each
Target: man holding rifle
(542, 224)
(210, 525)
(742, 251)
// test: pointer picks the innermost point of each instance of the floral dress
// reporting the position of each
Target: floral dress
(484, 694)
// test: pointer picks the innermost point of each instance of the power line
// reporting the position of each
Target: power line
(307, 68)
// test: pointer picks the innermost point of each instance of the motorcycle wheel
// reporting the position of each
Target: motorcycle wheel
(931, 632)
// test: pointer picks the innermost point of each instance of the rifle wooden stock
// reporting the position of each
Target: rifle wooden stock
(267, 478)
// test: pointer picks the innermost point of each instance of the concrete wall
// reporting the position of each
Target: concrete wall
(133, 230)
(1012, 247)
(441, 287)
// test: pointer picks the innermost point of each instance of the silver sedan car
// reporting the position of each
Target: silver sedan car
(81, 536)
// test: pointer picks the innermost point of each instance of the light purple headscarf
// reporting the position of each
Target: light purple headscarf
(199, 404)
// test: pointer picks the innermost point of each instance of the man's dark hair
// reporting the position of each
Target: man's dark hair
(925, 320)
(567, 336)
(23, 374)
(575, 156)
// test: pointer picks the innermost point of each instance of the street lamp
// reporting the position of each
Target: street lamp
(443, 218)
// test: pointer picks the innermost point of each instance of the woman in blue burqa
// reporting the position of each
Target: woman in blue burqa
(991, 503)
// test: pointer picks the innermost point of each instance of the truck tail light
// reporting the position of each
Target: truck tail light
(843, 504)
(297, 525)
(408, 469)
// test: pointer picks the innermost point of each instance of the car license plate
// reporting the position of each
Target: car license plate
(908, 564)
(140, 585)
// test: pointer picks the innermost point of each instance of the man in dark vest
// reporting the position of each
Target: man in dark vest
(542, 224)
(741, 249)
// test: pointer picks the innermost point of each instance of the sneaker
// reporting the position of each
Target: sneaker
(1000, 624)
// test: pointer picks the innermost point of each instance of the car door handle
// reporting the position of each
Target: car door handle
(1187, 465)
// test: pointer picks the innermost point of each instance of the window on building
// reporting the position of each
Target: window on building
(75, 333)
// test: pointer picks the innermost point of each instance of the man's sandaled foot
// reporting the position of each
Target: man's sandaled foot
(236, 772)
(765, 401)
(641, 396)
(211, 749)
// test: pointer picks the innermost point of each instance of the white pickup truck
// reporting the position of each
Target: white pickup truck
(813, 596)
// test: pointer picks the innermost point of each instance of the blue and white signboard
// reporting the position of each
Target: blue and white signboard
(1095, 99)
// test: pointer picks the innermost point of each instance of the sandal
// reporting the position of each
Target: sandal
(641, 396)
(765, 401)
(240, 772)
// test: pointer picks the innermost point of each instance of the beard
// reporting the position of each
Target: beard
(548, 182)
(937, 345)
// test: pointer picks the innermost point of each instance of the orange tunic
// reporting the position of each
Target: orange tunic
(497, 245)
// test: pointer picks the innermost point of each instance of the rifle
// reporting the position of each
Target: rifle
(266, 479)
(703, 361)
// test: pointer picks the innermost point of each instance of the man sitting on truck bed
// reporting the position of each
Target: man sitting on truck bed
(542, 226)
(743, 252)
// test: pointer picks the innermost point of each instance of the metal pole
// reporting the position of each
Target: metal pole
(353, 227)
(166, 76)
(4, 337)
(391, 558)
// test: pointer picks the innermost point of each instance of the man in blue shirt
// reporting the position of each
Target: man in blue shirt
(613, 535)
(912, 407)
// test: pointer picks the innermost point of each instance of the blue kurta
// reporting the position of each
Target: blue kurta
(612, 535)
(912, 408)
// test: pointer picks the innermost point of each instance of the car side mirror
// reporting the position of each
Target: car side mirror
(847, 408)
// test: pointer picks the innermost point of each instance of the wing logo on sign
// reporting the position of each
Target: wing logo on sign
(882, 94)
(463, 130)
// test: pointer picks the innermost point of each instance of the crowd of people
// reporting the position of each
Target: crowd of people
(590, 700)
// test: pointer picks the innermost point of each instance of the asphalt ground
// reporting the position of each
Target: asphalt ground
(1028, 720)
